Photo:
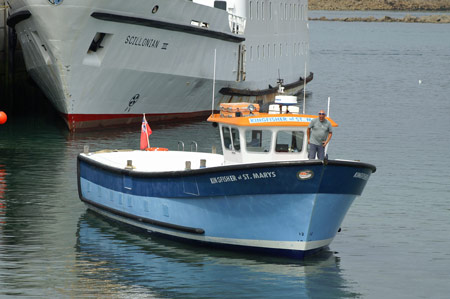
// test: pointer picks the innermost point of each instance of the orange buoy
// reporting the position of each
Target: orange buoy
(3, 117)
(156, 149)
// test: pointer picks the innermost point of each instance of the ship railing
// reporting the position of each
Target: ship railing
(237, 24)
(182, 145)
(194, 145)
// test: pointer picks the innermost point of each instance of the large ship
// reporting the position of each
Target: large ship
(105, 62)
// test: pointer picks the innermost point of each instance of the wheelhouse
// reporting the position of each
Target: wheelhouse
(248, 135)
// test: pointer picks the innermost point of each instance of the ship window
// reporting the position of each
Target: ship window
(199, 24)
(258, 140)
(281, 11)
(220, 5)
(257, 10)
(262, 10)
(289, 141)
(270, 10)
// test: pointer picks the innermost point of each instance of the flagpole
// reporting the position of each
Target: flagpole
(146, 132)
(304, 90)
(214, 82)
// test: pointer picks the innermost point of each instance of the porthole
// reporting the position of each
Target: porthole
(155, 9)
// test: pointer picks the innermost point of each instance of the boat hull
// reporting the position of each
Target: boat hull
(284, 208)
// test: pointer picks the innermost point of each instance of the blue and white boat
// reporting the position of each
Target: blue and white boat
(262, 194)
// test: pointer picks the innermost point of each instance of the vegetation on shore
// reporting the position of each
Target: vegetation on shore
(408, 5)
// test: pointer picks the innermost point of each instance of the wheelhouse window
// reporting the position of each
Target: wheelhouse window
(289, 141)
(231, 139)
(258, 140)
(226, 138)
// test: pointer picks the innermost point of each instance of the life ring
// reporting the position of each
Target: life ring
(156, 149)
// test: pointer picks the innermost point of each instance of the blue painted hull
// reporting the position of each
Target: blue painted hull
(267, 207)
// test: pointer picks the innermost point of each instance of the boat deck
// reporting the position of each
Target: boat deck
(155, 161)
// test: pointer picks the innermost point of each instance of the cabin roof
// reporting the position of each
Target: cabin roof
(267, 120)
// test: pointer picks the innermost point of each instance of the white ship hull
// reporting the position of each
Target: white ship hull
(105, 62)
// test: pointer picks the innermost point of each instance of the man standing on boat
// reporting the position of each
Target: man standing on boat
(319, 134)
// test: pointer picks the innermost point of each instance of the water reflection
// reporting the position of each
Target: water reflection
(3, 188)
(114, 259)
(164, 135)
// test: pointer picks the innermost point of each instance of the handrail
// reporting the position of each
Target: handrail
(182, 144)
(194, 143)
(237, 24)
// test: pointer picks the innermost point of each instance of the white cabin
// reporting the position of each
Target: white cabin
(248, 135)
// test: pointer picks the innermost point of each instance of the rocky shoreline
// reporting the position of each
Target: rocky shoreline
(443, 19)
(405, 5)
(389, 5)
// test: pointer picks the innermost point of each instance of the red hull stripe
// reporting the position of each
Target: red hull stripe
(87, 121)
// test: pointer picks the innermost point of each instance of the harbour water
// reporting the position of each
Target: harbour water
(389, 85)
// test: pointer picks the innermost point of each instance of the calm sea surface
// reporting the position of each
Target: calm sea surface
(395, 240)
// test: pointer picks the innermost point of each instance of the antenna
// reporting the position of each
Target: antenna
(214, 83)
(280, 83)
(328, 110)
(304, 90)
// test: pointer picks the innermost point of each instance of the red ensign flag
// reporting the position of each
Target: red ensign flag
(145, 132)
